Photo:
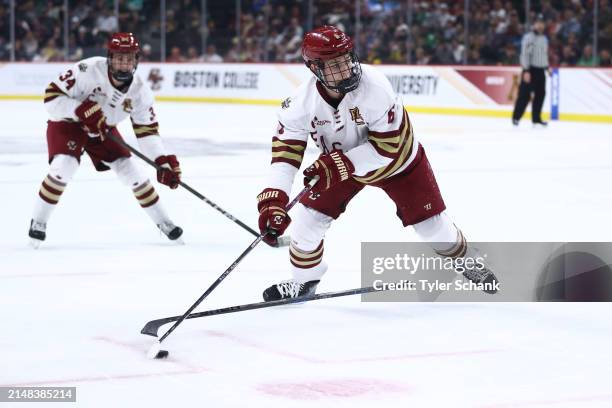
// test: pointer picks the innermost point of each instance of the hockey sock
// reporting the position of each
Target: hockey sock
(49, 194)
(149, 200)
(61, 171)
(442, 235)
(307, 266)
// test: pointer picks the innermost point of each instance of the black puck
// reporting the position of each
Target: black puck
(162, 354)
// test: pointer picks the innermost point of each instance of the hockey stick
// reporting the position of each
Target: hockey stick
(155, 351)
(152, 327)
(282, 241)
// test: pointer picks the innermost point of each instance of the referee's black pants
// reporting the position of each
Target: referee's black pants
(537, 85)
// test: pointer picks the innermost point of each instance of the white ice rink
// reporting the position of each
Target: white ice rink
(71, 312)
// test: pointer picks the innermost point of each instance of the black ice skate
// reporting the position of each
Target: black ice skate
(484, 276)
(290, 289)
(171, 231)
(37, 233)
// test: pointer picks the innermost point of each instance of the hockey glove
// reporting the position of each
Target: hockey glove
(331, 168)
(170, 172)
(273, 219)
(92, 118)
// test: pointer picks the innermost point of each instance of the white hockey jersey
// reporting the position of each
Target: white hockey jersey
(370, 125)
(89, 78)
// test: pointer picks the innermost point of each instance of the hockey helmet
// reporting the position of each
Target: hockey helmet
(329, 53)
(122, 43)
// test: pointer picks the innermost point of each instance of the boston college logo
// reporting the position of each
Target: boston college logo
(127, 105)
(155, 78)
(356, 116)
(71, 145)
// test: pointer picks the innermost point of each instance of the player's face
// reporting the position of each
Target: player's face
(337, 69)
(123, 61)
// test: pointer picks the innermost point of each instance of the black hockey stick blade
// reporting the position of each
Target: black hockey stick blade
(152, 327)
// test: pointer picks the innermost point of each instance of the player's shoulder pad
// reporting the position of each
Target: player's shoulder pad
(142, 92)
(375, 93)
(294, 110)
(89, 65)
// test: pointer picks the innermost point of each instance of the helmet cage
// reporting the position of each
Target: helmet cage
(119, 75)
(332, 72)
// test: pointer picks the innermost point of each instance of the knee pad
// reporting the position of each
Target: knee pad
(127, 172)
(63, 167)
(308, 228)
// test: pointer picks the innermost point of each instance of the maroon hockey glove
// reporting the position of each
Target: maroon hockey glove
(91, 116)
(170, 173)
(273, 219)
(331, 168)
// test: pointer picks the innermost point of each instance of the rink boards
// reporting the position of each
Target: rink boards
(576, 94)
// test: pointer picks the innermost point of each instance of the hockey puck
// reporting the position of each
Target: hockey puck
(162, 354)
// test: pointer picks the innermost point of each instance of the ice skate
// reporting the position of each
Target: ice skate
(483, 276)
(173, 232)
(290, 289)
(37, 233)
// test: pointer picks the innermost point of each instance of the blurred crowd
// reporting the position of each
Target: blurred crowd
(385, 31)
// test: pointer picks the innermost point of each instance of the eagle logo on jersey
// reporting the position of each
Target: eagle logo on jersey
(71, 145)
(155, 78)
(82, 67)
(356, 116)
(285, 103)
(127, 105)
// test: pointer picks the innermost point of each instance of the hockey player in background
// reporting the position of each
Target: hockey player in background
(85, 103)
(365, 137)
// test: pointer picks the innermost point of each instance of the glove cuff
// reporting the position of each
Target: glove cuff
(272, 195)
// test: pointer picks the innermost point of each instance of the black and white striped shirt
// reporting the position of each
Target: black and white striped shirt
(534, 50)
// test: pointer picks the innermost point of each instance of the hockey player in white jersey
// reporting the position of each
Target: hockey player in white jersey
(359, 124)
(84, 104)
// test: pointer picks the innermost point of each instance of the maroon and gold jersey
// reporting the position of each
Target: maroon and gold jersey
(369, 124)
(89, 79)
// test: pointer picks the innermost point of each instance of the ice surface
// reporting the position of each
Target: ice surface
(72, 311)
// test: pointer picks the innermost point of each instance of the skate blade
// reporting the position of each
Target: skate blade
(34, 243)
(178, 241)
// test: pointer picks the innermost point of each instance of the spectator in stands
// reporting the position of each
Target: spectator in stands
(51, 52)
(588, 59)
(211, 54)
(145, 53)
(4, 49)
(272, 30)
(604, 59)
(233, 55)
(30, 46)
(421, 57)
(175, 55)
(106, 24)
(568, 56)
(570, 24)
(509, 55)
(192, 55)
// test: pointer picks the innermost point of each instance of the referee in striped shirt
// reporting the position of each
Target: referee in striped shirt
(534, 61)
